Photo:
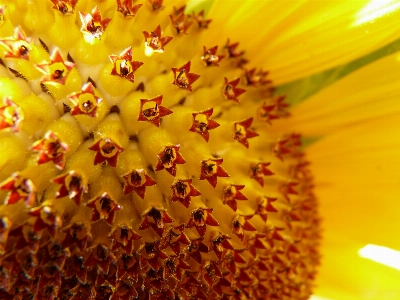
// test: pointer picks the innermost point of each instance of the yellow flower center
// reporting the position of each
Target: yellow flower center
(139, 161)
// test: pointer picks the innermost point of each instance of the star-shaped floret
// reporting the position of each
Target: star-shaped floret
(156, 4)
(178, 10)
(122, 237)
(211, 272)
(156, 219)
(240, 224)
(128, 264)
(256, 78)
(233, 257)
(231, 193)
(155, 40)
(182, 191)
(78, 234)
(232, 50)
(174, 266)
(57, 70)
(101, 256)
(230, 91)
(149, 254)
(124, 66)
(72, 185)
(287, 189)
(65, 6)
(273, 234)
(220, 242)
(255, 242)
(137, 180)
(168, 158)
(46, 218)
(11, 116)
(264, 206)
(127, 8)
(85, 102)
(273, 109)
(199, 18)
(51, 148)
(103, 208)
(183, 78)
(92, 24)
(181, 23)
(202, 123)
(125, 290)
(286, 145)
(200, 217)
(242, 132)
(17, 46)
(106, 150)
(211, 170)
(152, 111)
(259, 170)
(19, 188)
(173, 237)
(26, 237)
(196, 246)
(210, 57)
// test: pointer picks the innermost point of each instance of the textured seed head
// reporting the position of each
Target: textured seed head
(139, 159)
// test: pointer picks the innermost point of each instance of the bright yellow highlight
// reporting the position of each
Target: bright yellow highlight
(376, 9)
(380, 254)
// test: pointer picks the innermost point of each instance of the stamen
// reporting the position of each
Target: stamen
(264, 205)
(199, 18)
(152, 111)
(71, 185)
(137, 180)
(242, 133)
(182, 78)
(124, 66)
(201, 217)
(17, 46)
(240, 224)
(57, 70)
(231, 193)
(92, 24)
(103, 208)
(155, 218)
(51, 148)
(11, 116)
(127, 8)
(19, 188)
(211, 170)
(156, 4)
(182, 191)
(106, 150)
(168, 158)
(202, 123)
(230, 91)
(65, 6)
(210, 57)
(77, 234)
(181, 23)
(259, 170)
(86, 102)
(46, 218)
(155, 41)
(256, 78)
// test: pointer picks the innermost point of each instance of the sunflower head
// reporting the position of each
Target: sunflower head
(138, 160)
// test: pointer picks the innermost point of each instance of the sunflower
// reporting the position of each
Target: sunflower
(145, 154)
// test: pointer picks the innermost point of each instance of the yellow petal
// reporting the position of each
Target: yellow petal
(294, 39)
(357, 180)
(370, 92)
